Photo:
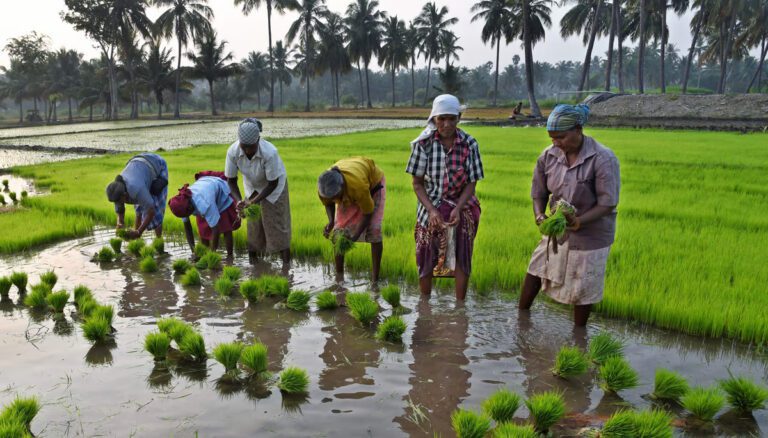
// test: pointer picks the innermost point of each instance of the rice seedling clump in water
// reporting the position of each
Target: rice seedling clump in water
(86, 306)
(570, 362)
(362, 307)
(10, 426)
(703, 403)
(547, 408)
(19, 279)
(502, 405)
(228, 354)
(201, 250)
(620, 425)
(341, 243)
(391, 329)
(653, 424)
(191, 278)
(250, 290)
(148, 264)
(174, 328)
(57, 301)
(469, 424)
(37, 297)
(743, 394)
(159, 245)
(50, 278)
(511, 430)
(224, 286)
(181, 266)
(135, 246)
(298, 300)
(22, 410)
(231, 272)
(210, 260)
(326, 300)
(254, 358)
(616, 374)
(81, 293)
(147, 251)
(96, 329)
(117, 244)
(272, 285)
(5, 286)
(293, 380)
(604, 346)
(105, 255)
(104, 311)
(193, 345)
(157, 344)
(669, 385)
(391, 295)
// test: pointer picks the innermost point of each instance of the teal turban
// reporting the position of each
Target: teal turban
(566, 117)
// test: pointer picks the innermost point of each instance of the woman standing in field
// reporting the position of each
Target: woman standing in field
(584, 173)
(143, 183)
(353, 192)
(209, 199)
(445, 164)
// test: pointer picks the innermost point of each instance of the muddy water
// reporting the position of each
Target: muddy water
(10, 158)
(452, 356)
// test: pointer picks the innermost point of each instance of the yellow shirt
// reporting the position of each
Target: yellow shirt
(361, 175)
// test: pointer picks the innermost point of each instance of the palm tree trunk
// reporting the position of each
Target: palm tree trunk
(69, 103)
(426, 90)
(213, 100)
(664, 37)
(368, 84)
(21, 110)
(177, 112)
(689, 61)
(496, 76)
(360, 76)
(271, 107)
(258, 99)
(413, 84)
(535, 111)
(641, 48)
(90, 112)
(281, 94)
(159, 108)
(763, 50)
(588, 57)
(393, 86)
(338, 99)
(609, 60)
(727, 54)
(306, 77)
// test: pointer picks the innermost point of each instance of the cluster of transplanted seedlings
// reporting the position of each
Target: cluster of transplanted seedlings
(16, 417)
(137, 247)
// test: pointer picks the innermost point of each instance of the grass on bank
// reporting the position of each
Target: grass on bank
(681, 210)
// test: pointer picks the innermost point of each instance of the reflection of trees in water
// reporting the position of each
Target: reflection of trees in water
(101, 353)
(438, 379)
(349, 349)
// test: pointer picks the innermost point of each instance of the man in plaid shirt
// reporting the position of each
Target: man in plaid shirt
(445, 164)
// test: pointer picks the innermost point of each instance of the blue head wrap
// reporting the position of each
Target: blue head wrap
(566, 117)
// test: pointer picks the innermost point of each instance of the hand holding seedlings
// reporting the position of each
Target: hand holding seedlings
(132, 234)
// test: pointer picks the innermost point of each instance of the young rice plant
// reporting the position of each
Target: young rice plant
(57, 301)
(231, 272)
(326, 300)
(105, 255)
(547, 408)
(117, 244)
(250, 290)
(272, 285)
(159, 245)
(148, 264)
(228, 354)
(180, 266)
(469, 424)
(570, 361)
(96, 329)
(616, 374)
(293, 380)
(669, 385)
(391, 295)
(224, 286)
(604, 346)
(502, 405)
(50, 278)
(191, 278)
(254, 359)
(147, 251)
(5, 286)
(511, 430)
(362, 307)
(19, 279)
(21, 410)
(703, 403)
(298, 300)
(391, 329)
(211, 260)
(157, 344)
(135, 246)
(744, 395)
(193, 346)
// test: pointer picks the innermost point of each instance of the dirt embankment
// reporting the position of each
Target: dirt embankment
(744, 112)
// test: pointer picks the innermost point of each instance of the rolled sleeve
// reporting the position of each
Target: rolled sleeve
(607, 182)
(417, 163)
(539, 188)
(475, 164)
(230, 165)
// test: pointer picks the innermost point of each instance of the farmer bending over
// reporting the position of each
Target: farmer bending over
(209, 199)
(583, 172)
(143, 183)
(353, 192)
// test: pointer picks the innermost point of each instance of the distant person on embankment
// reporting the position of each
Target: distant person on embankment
(265, 183)
(354, 191)
(446, 166)
(583, 172)
(143, 183)
(209, 199)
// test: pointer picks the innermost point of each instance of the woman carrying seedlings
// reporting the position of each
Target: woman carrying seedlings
(446, 166)
(569, 265)
(143, 183)
(209, 199)
(353, 192)
(264, 180)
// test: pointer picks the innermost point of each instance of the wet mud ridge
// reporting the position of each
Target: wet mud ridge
(71, 150)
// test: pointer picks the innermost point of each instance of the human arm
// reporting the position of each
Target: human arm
(142, 222)
(607, 185)
(330, 211)
(215, 237)
(466, 193)
(435, 219)
(257, 197)
(539, 190)
(190, 236)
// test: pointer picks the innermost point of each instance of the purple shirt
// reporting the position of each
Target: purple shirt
(592, 180)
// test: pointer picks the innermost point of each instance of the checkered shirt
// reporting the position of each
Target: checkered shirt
(445, 173)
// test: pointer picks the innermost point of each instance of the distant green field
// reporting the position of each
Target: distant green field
(692, 234)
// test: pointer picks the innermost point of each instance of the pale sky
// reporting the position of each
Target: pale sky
(246, 33)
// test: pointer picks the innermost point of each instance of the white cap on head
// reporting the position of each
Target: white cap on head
(249, 131)
(446, 104)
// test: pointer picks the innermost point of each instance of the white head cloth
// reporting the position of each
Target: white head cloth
(248, 131)
(444, 104)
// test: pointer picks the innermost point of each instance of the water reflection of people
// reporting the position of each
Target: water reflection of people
(346, 354)
(140, 298)
(438, 380)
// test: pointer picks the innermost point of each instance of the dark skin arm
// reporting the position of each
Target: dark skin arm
(190, 235)
(215, 237)
(255, 197)
(466, 193)
(330, 211)
(435, 220)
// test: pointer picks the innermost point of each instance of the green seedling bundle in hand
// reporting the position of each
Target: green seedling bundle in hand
(252, 212)
(554, 226)
(341, 243)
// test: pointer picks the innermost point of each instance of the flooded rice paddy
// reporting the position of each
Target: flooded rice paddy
(452, 356)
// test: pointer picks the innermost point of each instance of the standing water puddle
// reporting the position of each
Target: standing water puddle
(451, 356)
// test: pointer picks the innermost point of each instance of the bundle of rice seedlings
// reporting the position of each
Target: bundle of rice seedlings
(117, 244)
(104, 311)
(24, 194)
(616, 374)
(326, 300)
(231, 272)
(655, 423)
(86, 307)
(298, 300)
(391, 295)
(547, 408)
(5, 185)
(254, 358)
(13, 197)
(391, 329)
(57, 301)
(11, 427)
(21, 410)
(253, 212)
(201, 250)
(362, 307)
(19, 279)
(293, 380)
(744, 395)
(669, 385)
(135, 246)
(620, 425)
(159, 245)
(147, 251)
(81, 293)
(556, 224)
(148, 264)
(180, 266)
(121, 233)
(176, 329)
(5, 286)
(157, 344)
(36, 299)
(273, 285)
(50, 278)
(469, 424)
(703, 403)
(570, 362)
(228, 354)
(604, 346)
(193, 346)
(96, 329)
(502, 405)
(341, 243)
(511, 430)
(250, 290)
(211, 260)
(105, 255)
(224, 286)
(191, 278)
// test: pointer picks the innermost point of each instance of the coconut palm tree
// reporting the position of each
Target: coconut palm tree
(498, 18)
(185, 20)
(283, 70)
(15, 85)
(311, 14)
(643, 11)
(65, 76)
(157, 73)
(333, 53)
(364, 20)
(590, 19)
(394, 50)
(532, 18)
(95, 86)
(280, 6)
(755, 34)
(430, 23)
(256, 72)
(448, 47)
(679, 7)
(413, 44)
(700, 18)
(210, 62)
(726, 19)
